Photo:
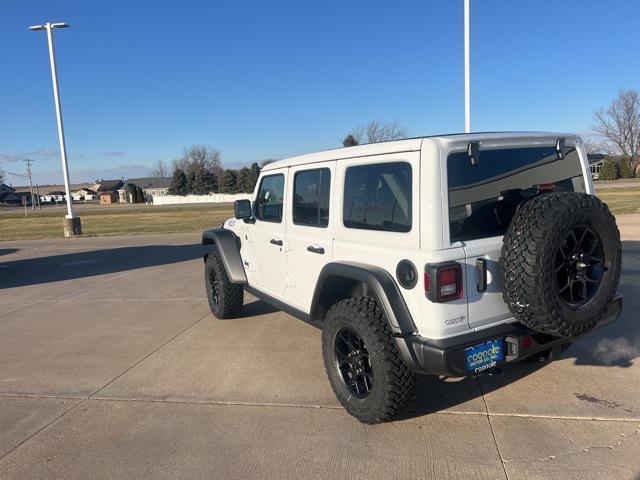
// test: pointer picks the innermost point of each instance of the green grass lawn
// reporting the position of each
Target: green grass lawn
(114, 220)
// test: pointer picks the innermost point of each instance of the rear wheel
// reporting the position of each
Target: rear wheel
(225, 298)
(362, 362)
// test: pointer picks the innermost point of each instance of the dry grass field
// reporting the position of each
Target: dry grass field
(114, 220)
(140, 219)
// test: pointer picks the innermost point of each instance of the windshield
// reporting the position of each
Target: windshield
(483, 198)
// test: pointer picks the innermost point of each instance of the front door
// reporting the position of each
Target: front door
(309, 230)
(267, 262)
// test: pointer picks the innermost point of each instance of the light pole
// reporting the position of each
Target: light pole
(467, 71)
(72, 226)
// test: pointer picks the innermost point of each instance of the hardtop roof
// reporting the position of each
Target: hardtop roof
(404, 145)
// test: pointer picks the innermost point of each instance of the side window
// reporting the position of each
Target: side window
(311, 197)
(378, 197)
(269, 201)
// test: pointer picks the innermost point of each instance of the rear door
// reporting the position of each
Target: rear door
(309, 243)
(483, 199)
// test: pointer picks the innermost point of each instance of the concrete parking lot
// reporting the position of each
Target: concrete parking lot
(111, 366)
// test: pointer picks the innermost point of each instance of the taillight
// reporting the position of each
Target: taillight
(443, 281)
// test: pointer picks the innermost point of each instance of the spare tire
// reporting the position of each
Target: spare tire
(560, 263)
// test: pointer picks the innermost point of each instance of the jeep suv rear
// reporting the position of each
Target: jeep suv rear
(446, 255)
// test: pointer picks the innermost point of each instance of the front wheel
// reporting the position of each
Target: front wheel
(225, 298)
(363, 364)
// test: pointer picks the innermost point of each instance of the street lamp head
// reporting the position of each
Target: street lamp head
(50, 25)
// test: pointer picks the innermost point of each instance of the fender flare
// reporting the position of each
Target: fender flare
(377, 282)
(228, 246)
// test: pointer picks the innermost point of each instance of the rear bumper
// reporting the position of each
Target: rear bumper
(446, 356)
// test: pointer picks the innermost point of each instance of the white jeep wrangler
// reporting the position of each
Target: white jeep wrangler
(447, 255)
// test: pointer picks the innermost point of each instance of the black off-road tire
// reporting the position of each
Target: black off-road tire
(393, 385)
(227, 301)
(531, 276)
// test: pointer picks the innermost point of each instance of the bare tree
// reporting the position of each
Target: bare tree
(375, 131)
(160, 169)
(619, 124)
(2, 175)
(594, 144)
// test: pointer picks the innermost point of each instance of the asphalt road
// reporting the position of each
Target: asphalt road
(111, 366)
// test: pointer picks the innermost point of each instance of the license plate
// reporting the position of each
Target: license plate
(484, 356)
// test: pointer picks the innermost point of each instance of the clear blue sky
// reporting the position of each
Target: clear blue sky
(142, 79)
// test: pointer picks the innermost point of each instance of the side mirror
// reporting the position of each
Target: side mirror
(242, 209)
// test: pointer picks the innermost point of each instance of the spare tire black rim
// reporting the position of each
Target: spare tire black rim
(579, 266)
(353, 361)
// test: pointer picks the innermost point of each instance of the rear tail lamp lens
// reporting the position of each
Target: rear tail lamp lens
(448, 281)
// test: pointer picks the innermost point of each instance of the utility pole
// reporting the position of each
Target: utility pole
(72, 225)
(467, 71)
(38, 197)
(29, 161)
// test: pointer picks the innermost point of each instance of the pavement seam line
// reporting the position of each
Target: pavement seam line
(149, 354)
(293, 405)
(493, 434)
(81, 402)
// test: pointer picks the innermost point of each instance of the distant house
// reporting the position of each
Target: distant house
(84, 194)
(596, 161)
(151, 187)
(108, 191)
(8, 195)
(54, 197)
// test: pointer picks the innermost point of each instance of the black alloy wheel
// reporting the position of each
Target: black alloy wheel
(353, 361)
(579, 266)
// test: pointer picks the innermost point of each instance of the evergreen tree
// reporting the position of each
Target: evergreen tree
(132, 193)
(140, 194)
(609, 170)
(179, 184)
(349, 141)
(252, 179)
(626, 169)
(229, 181)
(242, 180)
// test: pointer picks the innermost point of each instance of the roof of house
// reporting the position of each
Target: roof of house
(4, 186)
(151, 182)
(84, 190)
(107, 186)
(54, 192)
(46, 189)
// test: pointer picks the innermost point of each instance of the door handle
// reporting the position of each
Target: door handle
(481, 267)
(313, 249)
(275, 241)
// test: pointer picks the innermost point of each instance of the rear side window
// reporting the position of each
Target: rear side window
(483, 198)
(311, 197)
(270, 195)
(378, 197)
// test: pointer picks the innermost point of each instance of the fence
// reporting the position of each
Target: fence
(211, 198)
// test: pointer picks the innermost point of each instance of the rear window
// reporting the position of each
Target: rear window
(483, 198)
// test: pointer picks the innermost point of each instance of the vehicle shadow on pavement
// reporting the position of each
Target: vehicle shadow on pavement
(7, 251)
(55, 268)
(435, 394)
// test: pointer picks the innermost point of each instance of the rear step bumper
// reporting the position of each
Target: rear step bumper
(446, 356)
